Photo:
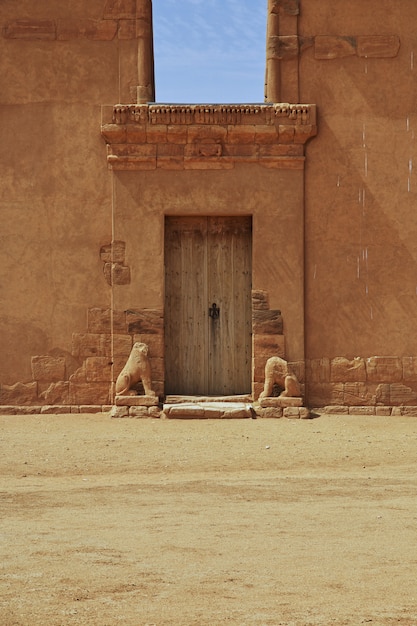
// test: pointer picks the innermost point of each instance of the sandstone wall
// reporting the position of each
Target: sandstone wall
(59, 63)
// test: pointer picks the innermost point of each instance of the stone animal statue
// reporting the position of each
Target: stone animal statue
(137, 369)
(278, 373)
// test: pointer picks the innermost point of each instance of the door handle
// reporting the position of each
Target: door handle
(214, 311)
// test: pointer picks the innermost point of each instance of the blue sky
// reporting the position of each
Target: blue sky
(210, 51)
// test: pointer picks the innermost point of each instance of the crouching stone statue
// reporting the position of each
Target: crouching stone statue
(278, 373)
(137, 369)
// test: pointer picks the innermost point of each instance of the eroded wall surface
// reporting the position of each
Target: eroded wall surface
(59, 63)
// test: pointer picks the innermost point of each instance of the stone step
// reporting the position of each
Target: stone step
(208, 410)
(177, 399)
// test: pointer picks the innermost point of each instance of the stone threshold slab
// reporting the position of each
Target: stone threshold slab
(208, 410)
(177, 399)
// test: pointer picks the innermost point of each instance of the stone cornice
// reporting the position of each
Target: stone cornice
(207, 136)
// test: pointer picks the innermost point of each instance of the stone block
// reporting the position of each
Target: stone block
(43, 29)
(329, 47)
(260, 300)
(383, 410)
(94, 408)
(335, 409)
(56, 393)
(122, 345)
(318, 394)
(291, 412)
(286, 7)
(409, 411)
(170, 150)
(113, 252)
(139, 412)
(19, 410)
(357, 394)
(48, 368)
(401, 394)
(384, 369)
(286, 133)
(116, 274)
(241, 134)
(55, 409)
(283, 47)
(344, 370)
(269, 412)
(120, 9)
(89, 393)
(136, 401)
(282, 402)
(98, 369)
(90, 344)
(145, 321)
(378, 46)
(135, 133)
(19, 393)
(265, 346)
(267, 322)
(409, 369)
(207, 134)
(119, 411)
(362, 410)
(103, 321)
(265, 135)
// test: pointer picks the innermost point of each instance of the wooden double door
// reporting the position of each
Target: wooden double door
(208, 318)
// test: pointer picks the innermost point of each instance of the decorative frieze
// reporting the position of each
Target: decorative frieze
(147, 137)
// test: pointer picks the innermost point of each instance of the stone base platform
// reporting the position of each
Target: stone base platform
(136, 406)
(289, 407)
(205, 409)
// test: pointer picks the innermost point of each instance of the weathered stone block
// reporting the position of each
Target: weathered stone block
(384, 369)
(89, 393)
(56, 393)
(319, 394)
(113, 252)
(116, 274)
(378, 46)
(335, 409)
(344, 370)
(51, 409)
(139, 412)
(267, 322)
(383, 410)
(98, 369)
(122, 345)
(144, 401)
(265, 346)
(148, 321)
(102, 321)
(260, 300)
(283, 47)
(400, 394)
(409, 369)
(409, 411)
(19, 393)
(48, 368)
(282, 402)
(329, 47)
(292, 413)
(269, 412)
(362, 410)
(30, 29)
(90, 344)
(119, 411)
(286, 7)
(286, 133)
(357, 394)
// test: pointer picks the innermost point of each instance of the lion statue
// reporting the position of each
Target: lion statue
(137, 369)
(278, 373)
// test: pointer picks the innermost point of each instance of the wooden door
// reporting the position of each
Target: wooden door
(208, 319)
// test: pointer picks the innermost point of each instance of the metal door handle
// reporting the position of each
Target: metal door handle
(214, 311)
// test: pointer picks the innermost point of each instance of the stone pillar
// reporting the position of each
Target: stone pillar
(272, 74)
(146, 77)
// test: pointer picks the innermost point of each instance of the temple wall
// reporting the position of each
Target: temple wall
(334, 236)
(59, 63)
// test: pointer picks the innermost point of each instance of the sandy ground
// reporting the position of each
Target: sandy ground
(243, 522)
